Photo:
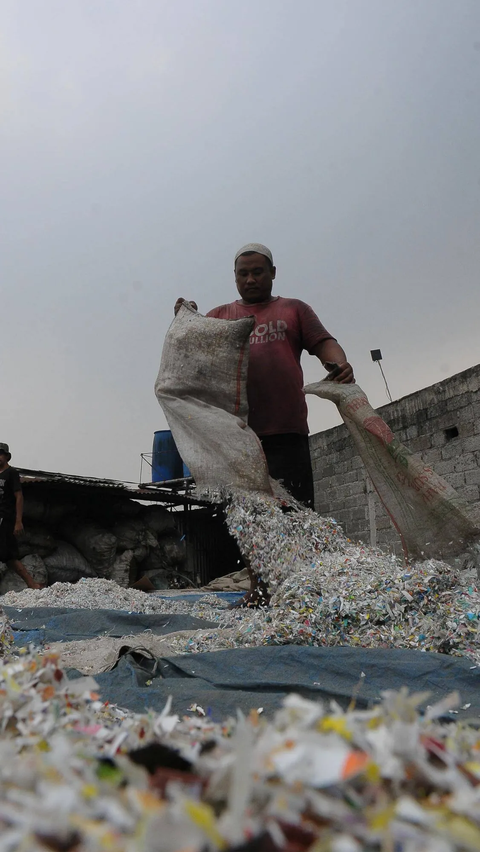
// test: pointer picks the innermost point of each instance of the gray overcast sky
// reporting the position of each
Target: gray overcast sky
(143, 142)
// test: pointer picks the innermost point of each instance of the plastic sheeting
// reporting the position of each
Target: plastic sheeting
(42, 625)
(245, 678)
(222, 681)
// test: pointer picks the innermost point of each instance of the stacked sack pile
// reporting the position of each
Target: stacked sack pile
(121, 541)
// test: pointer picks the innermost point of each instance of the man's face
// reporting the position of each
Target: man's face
(254, 278)
(3, 460)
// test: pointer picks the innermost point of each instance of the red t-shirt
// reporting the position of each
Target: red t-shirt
(283, 328)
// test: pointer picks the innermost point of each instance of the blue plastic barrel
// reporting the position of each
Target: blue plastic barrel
(166, 461)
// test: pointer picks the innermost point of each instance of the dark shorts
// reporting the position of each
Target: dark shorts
(288, 459)
(8, 541)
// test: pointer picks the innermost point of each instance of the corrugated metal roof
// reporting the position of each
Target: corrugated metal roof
(27, 476)
(154, 492)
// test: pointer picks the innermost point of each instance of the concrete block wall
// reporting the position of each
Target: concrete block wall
(441, 423)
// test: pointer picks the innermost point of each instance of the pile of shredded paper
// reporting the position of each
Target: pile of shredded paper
(98, 593)
(77, 774)
(326, 590)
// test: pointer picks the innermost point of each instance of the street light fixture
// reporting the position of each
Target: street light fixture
(376, 358)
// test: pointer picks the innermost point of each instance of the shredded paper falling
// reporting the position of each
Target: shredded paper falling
(326, 590)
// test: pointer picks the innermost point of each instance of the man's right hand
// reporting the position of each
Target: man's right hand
(180, 302)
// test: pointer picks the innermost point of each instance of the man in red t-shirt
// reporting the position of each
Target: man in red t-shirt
(283, 329)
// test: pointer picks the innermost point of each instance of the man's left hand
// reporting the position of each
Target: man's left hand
(18, 528)
(343, 374)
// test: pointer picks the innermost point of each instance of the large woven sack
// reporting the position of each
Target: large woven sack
(67, 565)
(10, 581)
(173, 550)
(201, 386)
(49, 513)
(36, 568)
(158, 520)
(433, 521)
(94, 543)
(131, 533)
(36, 539)
(156, 560)
(122, 567)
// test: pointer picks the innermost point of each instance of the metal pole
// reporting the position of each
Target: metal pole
(386, 383)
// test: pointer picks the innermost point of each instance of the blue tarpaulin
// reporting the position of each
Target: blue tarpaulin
(222, 681)
(43, 625)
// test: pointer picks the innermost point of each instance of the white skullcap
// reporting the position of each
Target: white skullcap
(257, 248)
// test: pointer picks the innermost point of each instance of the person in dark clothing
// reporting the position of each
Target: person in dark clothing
(11, 517)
